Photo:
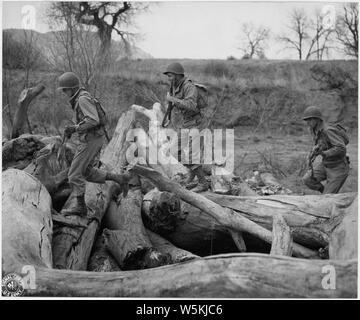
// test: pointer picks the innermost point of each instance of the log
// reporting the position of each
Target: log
(311, 218)
(18, 153)
(343, 242)
(223, 276)
(224, 216)
(282, 238)
(101, 260)
(158, 142)
(226, 276)
(185, 226)
(126, 237)
(48, 168)
(26, 222)
(26, 97)
(238, 240)
(72, 246)
(167, 248)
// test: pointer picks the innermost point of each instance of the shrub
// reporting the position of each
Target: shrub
(217, 69)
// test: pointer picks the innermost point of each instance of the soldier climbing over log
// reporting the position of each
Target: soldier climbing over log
(89, 119)
(330, 142)
(184, 112)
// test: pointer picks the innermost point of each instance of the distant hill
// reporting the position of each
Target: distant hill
(45, 40)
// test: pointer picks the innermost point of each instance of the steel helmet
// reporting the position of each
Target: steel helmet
(68, 80)
(175, 68)
(312, 112)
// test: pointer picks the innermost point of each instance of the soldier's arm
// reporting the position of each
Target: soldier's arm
(190, 98)
(91, 117)
(338, 146)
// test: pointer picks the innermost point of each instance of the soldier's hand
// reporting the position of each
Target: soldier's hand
(169, 98)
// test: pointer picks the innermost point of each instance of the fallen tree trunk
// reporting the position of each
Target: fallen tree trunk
(311, 218)
(18, 153)
(72, 246)
(184, 225)
(282, 238)
(165, 247)
(26, 222)
(224, 216)
(101, 260)
(223, 276)
(226, 276)
(127, 239)
(26, 97)
(343, 243)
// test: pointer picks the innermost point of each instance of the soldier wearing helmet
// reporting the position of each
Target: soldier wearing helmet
(184, 100)
(330, 142)
(91, 138)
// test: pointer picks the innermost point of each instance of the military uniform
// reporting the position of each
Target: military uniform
(332, 141)
(187, 115)
(91, 138)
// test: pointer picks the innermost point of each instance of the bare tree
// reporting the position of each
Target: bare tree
(107, 17)
(76, 47)
(320, 39)
(347, 29)
(253, 40)
(31, 54)
(299, 25)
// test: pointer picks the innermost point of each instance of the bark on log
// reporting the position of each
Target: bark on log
(238, 240)
(245, 275)
(26, 97)
(224, 216)
(26, 222)
(127, 239)
(344, 238)
(101, 260)
(18, 153)
(72, 246)
(167, 248)
(311, 218)
(185, 226)
(224, 276)
(282, 238)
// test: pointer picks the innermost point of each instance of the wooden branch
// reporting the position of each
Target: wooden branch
(26, 97)
(167, 248)
(223, 276)
(238, 240)
(282, 239)
(224, 216)
(128, 240)
(28, 229)
(311, 218)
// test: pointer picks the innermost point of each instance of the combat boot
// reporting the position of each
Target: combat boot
(78, 207)
(202, 184)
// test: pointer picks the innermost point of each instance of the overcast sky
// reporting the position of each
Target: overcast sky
(189, 29)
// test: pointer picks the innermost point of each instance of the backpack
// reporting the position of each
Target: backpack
(103, 119)
(203, 97)
(342, 132)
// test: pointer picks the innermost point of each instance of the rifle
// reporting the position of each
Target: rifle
(312, 156)
(167, 115)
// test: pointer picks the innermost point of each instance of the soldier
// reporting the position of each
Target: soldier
(91, 138)
(330, 142)
(184, 100)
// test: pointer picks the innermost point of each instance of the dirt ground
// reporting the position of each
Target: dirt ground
(285, 156)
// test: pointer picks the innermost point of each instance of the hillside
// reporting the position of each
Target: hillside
(44, 41)
(267, 95)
